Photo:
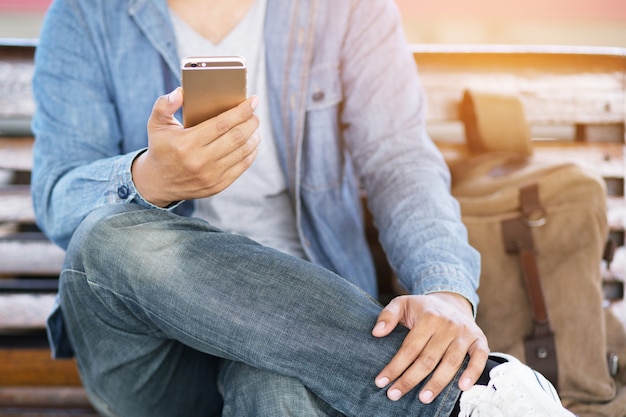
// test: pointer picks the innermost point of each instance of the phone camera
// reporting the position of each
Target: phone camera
(193, 65)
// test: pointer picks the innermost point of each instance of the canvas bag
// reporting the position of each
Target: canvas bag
(566, 222)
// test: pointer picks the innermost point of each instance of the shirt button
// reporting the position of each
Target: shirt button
(318, 95)
(122, 192)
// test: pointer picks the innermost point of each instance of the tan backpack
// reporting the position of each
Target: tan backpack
(541, 228)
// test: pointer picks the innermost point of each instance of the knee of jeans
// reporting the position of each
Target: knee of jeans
(97, 232)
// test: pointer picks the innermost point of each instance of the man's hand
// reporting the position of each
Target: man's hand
(442, 331)
(197, 162)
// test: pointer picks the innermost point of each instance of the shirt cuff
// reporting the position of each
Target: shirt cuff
(447, 279)
(123, 188)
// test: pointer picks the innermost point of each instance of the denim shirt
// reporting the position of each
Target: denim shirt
(347, 111)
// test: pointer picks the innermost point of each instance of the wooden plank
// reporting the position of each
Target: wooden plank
(17, 206)
(616, 215)
(66, 397)
(17, 65)
(600, 133)
(20, 313)
(45, 412)
(29, 285)
(605, 159)
(618, 271)
(35, 367)
(16, 153)
(556, 86)
(36, 257)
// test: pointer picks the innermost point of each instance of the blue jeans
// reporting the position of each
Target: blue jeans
(165, 312)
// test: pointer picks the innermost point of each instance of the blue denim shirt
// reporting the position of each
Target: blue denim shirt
(347, 110)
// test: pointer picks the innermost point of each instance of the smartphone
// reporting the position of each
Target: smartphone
(211, 85)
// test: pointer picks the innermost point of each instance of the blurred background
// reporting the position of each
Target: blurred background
(540, 22)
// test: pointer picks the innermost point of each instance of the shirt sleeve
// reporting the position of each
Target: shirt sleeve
(79, 159)
(404, 175)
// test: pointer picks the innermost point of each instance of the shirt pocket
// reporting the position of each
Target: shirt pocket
(324, 87)
(323, 151)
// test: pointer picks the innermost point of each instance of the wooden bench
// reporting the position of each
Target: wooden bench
(575, 104)
(31, 383)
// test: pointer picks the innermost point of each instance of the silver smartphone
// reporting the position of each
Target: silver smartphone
(211, 85)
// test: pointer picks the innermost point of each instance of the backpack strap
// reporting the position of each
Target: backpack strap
(495, 122)
(539, 345)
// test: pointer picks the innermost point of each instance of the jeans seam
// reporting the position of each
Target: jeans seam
(226, 355)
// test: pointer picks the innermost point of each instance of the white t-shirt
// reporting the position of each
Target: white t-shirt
(257, 203)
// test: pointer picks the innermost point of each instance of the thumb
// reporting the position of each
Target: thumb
(388, 319)
(166, 106)
(175, 98)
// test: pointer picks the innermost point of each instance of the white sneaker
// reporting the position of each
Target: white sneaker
(514, 390)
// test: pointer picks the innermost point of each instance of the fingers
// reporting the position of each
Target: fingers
(220, 149)
(229, 135)
(421, 355)
(409, 366)
(197, 162)
(231, 166)
(388, 319)
(479, 354)
(435, 348)
(228, 121)
(448, 367)
(235, 143)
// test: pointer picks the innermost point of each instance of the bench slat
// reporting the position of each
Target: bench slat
(583, 86)
(17, 206)
(32, 257)
(616, 215)
(68, 397)
(605, 159)
(35, 367)
(24, 312)
(16, 153)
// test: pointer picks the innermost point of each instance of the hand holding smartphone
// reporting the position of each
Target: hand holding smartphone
(211, 85)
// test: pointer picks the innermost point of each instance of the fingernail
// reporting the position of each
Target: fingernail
(254, 102)
(394, 394)
(171, 97)
(426, 396)
(379, 326)
(466, 383)
(382, 382)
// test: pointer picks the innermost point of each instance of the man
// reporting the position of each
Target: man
(223, 269)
